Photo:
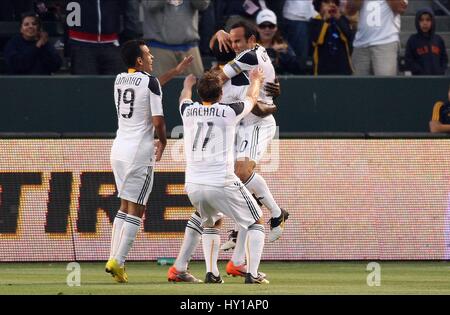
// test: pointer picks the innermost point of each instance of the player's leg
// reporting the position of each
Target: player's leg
(256, 140)
(119, 220)
(192, 235)
(211, 245)
(236, 266)
(238, 204)
(204, 200)
(135, 189)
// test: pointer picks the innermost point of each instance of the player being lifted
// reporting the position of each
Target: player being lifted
(138, 99)
(211, 184)
(256, 130)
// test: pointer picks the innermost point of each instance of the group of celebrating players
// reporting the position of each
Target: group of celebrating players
(225, 136)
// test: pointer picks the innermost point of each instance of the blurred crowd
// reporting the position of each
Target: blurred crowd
(302, 37)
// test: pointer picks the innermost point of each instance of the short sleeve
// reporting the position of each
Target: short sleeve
(244, 62)
(437, 111)
(241, 109)
(184, 104)
(155, 97)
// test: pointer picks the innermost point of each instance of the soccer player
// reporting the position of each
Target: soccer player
(211, 184)
(233, 91)
(256, 131)
(138, 98)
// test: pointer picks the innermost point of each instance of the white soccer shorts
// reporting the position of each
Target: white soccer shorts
(234, 201)
(134, 182)
(252, 141)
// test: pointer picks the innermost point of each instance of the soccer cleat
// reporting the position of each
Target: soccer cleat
(277, 226)
(258, 280)
(173, 275)
(211, 278)
(236, 271)
(239, 271)
(231, 243)
(118, 272)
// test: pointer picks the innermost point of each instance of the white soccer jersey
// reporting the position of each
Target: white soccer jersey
(241, 65)
(247, 61)
(235, 90)
(138, 97)
(209, 139)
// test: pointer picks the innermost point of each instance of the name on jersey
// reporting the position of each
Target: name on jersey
(130, 80)
(205, 111)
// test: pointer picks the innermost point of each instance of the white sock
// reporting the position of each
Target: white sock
(211, 244)
(192, 236)
(238, 257)
(254, 248)
(127, 236)
(119, 220)
(258, 186)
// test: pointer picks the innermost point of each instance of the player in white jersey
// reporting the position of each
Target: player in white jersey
(138, 99)
(256, 132)
(211, 184)
(233, 91)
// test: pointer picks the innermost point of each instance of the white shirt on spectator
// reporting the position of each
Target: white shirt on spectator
(299, 10)
(378, 25)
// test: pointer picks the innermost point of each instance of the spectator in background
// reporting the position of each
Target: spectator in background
(296, 25)
(171, 28)
(426, 53)
(207, 27)
(440, 121)
(30, 52)
(331, 39)
(377, 41)
(284, 61)
(94, 43)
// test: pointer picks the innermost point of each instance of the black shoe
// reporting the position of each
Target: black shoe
(274, 222)
(277, 225)
(249, 279)
(210, 278)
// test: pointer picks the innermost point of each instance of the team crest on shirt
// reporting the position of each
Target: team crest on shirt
(175, 3)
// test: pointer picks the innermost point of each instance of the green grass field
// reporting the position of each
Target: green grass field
(285, 277)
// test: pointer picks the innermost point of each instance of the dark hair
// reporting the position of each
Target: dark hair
(131, 50)
(249, 29)
(209, 87)
(318, 3)
(223, 56)
(33, 15)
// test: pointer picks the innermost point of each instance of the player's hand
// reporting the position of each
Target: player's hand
(189, 81)
(273, 89)
(257, 74)
(184, 64)
(159, 150)
(224, 40)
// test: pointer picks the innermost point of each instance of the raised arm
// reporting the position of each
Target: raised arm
(256, 80)
(186, 93)
(178, 70)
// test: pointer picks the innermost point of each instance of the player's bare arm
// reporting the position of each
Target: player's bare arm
(160, 128)
(186, 93)
(178, 70)
(256, 80)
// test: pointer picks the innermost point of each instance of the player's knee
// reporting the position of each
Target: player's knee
(243, 170)
(260, 221)
(218, 224)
